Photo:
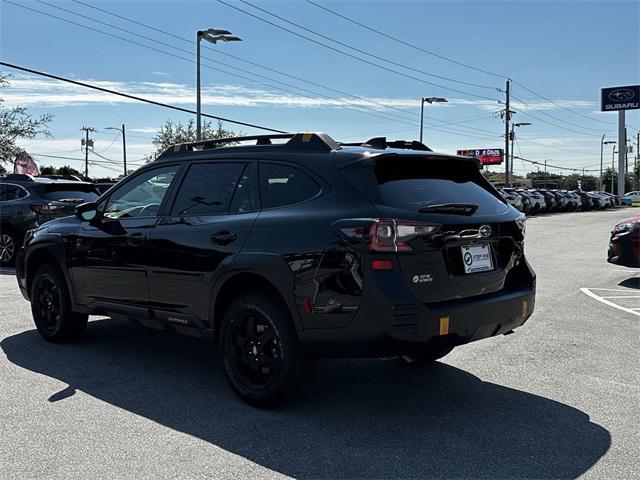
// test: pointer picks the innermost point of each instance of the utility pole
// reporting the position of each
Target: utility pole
(545, 166)
(506, 115)
(87, 142)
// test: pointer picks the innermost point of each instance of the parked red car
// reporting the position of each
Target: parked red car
(624, 246)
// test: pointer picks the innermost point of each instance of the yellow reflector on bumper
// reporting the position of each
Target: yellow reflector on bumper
(444, 325)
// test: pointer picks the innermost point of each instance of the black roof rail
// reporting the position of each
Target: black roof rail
(382, 143)
(297, 141)
(18, 176)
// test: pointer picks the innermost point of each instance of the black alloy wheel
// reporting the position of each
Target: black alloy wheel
(260, 351)
(51, 307)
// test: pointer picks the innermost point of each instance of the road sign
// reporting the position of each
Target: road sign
(487, 156)
(620, 98)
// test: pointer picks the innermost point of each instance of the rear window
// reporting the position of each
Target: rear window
(413, 184)
(11, 192)
(70, 192)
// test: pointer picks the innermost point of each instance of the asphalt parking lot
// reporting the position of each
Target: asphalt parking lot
(557, 399)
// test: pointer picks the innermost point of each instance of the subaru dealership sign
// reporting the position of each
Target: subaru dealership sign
(620, 98)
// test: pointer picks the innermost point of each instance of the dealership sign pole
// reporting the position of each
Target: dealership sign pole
(620, 99)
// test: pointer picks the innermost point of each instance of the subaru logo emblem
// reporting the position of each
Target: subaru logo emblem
(485, 231)
(621, 95)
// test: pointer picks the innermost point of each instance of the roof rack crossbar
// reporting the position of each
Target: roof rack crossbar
(298, 141)
(382, 143)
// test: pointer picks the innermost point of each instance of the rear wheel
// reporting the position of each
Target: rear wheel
(429, 355)
(8, 248)
(260, 351)
(51, 307)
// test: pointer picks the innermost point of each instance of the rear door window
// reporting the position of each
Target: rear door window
(282, 185)
(413, 184)
(208, 189)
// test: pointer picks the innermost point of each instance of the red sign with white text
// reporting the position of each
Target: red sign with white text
(487, 156)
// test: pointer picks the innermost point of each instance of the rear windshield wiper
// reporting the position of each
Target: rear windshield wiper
(451, 208)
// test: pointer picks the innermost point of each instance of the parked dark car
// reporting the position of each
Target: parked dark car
(624, 245)
(104, 185)
(288, 252)
(27, 202)
(550, 200)
(586, 201)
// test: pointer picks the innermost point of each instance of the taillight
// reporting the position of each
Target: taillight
(46, 208)
(383, 234)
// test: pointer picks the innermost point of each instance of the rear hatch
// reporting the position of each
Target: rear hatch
(61, 198)
(455, 235)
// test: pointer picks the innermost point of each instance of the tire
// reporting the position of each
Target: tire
(51, 307)
(260, 352)
(428, 356)
(8, 248)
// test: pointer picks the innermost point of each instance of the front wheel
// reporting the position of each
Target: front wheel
(260, 353)
(51, 307)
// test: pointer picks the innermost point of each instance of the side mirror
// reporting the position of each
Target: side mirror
(87, 212)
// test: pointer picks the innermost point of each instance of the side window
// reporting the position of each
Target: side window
(285, 185)
(11, 192)
(142, 196)
(208, 188)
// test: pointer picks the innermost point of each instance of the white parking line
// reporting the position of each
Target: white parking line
(588, 291)
(623, 296)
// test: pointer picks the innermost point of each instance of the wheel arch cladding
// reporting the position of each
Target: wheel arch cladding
(41, 256)
(244, 282)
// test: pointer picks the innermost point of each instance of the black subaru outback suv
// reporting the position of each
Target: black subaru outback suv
(289, 251)
(27, 202)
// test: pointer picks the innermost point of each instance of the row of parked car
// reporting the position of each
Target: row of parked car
(532, 201)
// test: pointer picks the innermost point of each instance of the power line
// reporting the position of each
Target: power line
(564, 107)
(134, 97)
(554, 166)
(395, 39)
(340, 104)
(335, 102)
(557, 118)
(448, 59)
(349, 54)
(364, 52)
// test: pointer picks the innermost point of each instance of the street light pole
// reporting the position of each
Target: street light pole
(429, 100)
(613, 157)
(211, 35)
(602, 144)
(124, 146)
(513, 138)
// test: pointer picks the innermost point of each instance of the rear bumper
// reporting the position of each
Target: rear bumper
(391, 322)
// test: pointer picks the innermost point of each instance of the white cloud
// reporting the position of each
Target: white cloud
(37, 92)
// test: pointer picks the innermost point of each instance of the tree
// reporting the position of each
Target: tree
(172, 133)
(16, 123)
(65, 171)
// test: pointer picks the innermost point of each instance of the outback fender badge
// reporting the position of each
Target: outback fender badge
(485, 231)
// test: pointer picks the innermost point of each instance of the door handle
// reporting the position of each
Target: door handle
(136, 238)
(224, 237)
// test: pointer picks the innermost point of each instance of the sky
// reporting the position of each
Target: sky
(558, 54)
